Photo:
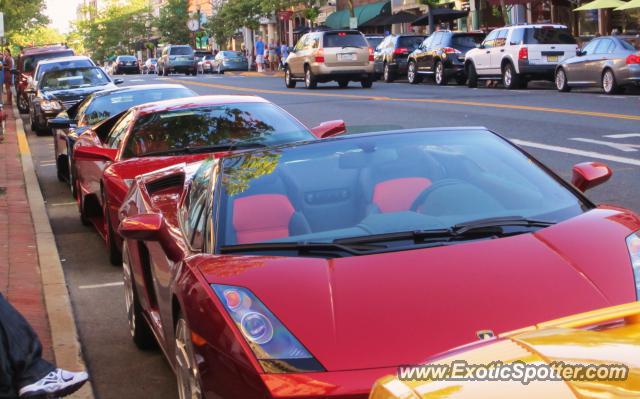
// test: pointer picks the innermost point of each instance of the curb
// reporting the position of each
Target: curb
(64, 334)
(254, 74)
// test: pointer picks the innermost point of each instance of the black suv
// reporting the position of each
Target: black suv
(390, 57)
(442, 56)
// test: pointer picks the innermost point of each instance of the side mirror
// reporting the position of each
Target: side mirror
(61, 123)
(580, 53)
(329, 128)
(94, 153)
(587, 175)
(480, 46)
(118, 81)
(144, 227)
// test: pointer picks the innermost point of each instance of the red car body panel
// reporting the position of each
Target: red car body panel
(353, 313)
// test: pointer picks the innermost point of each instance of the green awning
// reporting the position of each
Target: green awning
(629, 5)
(600, 4)
(364, 13)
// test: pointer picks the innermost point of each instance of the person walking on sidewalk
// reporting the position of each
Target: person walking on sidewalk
(259, 51)
(7, 62)
(284, 53)
(273, 56)
(23, 371)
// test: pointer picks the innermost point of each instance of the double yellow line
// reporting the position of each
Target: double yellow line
(309, 93)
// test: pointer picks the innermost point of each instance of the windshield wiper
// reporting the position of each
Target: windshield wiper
(498, 223)
(303, 248)
(206, 148)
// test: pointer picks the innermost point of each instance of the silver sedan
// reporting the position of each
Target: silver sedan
(609, 62)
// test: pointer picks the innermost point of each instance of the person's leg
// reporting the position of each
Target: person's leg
(21, 350)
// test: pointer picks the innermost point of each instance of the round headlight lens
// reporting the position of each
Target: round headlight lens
(257, 328)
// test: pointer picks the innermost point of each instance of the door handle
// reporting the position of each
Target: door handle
(502, 51)
(488, 51)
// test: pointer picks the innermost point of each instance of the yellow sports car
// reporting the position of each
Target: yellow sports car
(587, 356)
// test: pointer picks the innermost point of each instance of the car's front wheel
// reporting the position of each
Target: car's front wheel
(440, 77)
(288, 79)
(412, 73)
(140, 331)
(187, 372)
(115, 257)
(387, 75)
(561, 81)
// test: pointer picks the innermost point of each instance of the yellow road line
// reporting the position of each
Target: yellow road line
(416, 100)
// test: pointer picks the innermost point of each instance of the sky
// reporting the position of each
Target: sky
(61, 13)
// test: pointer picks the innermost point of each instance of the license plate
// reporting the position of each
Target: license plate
(552, 58)
(183, 58)
(347, 57)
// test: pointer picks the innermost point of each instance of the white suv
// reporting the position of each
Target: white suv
(520, 53)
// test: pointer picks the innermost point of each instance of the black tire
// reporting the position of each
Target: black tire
(412, 73)
(343, 84)
(115, 257)
(387, 75)
(510, 78)
(367, 83)
(440, 76)
(310, 81)
(72, 179)
(610, 86)
(84, 218)
(461, 80)
(472, 76)
(23, 105)
(288, 80)
(139, 329)
(61, 165)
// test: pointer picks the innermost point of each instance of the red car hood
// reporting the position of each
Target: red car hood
(402, 307)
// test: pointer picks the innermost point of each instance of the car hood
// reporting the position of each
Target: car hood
(69, 94)
(398, 308)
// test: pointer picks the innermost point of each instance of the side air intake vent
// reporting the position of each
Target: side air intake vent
(164, 183)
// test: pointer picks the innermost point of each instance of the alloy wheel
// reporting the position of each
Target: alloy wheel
(128, 289)
(385, 73)
(187, 370)
(307, 77)
(608, 82)
(411, 73)
(507, 77)
(561, 80)
(439, 73)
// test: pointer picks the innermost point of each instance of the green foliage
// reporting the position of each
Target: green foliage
(234, 15)
(37, 36)
(22, 17)
(172, 23)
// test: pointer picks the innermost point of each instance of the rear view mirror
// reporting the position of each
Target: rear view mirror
(61, 123)
(91, 153)
(587, 175)
(145, 227)
(329, 128)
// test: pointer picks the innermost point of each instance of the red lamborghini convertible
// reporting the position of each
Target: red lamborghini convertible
(310, 270)
(155, 135)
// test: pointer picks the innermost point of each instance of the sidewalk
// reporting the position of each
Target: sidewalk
(31, 275)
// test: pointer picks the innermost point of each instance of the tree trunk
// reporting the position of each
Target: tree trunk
(432, 20)
(505, 12)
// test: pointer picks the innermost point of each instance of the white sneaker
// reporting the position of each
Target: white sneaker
(56, 384)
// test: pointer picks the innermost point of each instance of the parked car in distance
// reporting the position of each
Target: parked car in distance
(46, 65)
(60, 89)
(441, 56)
(374, 40)
(520, 53)
(177, 59)
(390, 57)
(125, 64)
(609, 62)
(227, 60)
(27, 61)
(333, 55)
(150, 66)
(98, 106)
(605, 336)
(204, 65)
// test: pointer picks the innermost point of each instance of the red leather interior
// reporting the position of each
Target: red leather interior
(261, 217)
(397, 195)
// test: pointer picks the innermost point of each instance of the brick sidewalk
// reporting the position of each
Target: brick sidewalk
(20, 279)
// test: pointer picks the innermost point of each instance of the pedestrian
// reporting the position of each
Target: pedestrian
(259, 51)
(284, 53)
(23, 371)
(278, 50)
(273, 56)
(7, 62)
(266, 56)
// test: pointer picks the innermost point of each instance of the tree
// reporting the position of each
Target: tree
(172, 22)
(431, 4)
(22, 16)
(37, 36)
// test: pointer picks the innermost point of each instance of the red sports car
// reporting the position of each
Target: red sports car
(155, 135)
(310, 270)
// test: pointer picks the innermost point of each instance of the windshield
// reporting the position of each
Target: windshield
(410, 42)
(30, 62)
(127, 58)
(219, 125)
(626, 45)
(374, 41)
(344, 39)
(105, 106)
(73, 78)
(466, 42)
(232, 54)
(42, 68)
(181, 51)
(548, 35)
(378, 184)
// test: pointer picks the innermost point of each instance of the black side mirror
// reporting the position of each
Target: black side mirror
(61, 123)
(481, 46)
(580, 53)
(118, 81)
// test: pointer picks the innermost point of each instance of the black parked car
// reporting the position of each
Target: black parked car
(61, 89)
(126, 64)
(97, 107)
(442, 56)
(390, 57)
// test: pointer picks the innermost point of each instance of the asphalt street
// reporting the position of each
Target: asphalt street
(560, 129)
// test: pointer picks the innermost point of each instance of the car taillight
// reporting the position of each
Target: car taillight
(633, 59)
(401, 50)
(449, 50)
(320, 55)
(370, 54)
(523, 54)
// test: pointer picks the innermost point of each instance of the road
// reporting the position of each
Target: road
(561, 129)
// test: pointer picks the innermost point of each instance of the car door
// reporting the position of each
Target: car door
(604, 52)
(296, 59)
(420, 53)
(482, 60)
(431, 52)
(497, 52)
(575, 67)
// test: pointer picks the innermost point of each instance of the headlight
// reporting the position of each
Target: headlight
(50, 105)
(633, 244)
(276, 349)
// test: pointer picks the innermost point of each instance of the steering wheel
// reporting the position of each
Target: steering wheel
(422, 197)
